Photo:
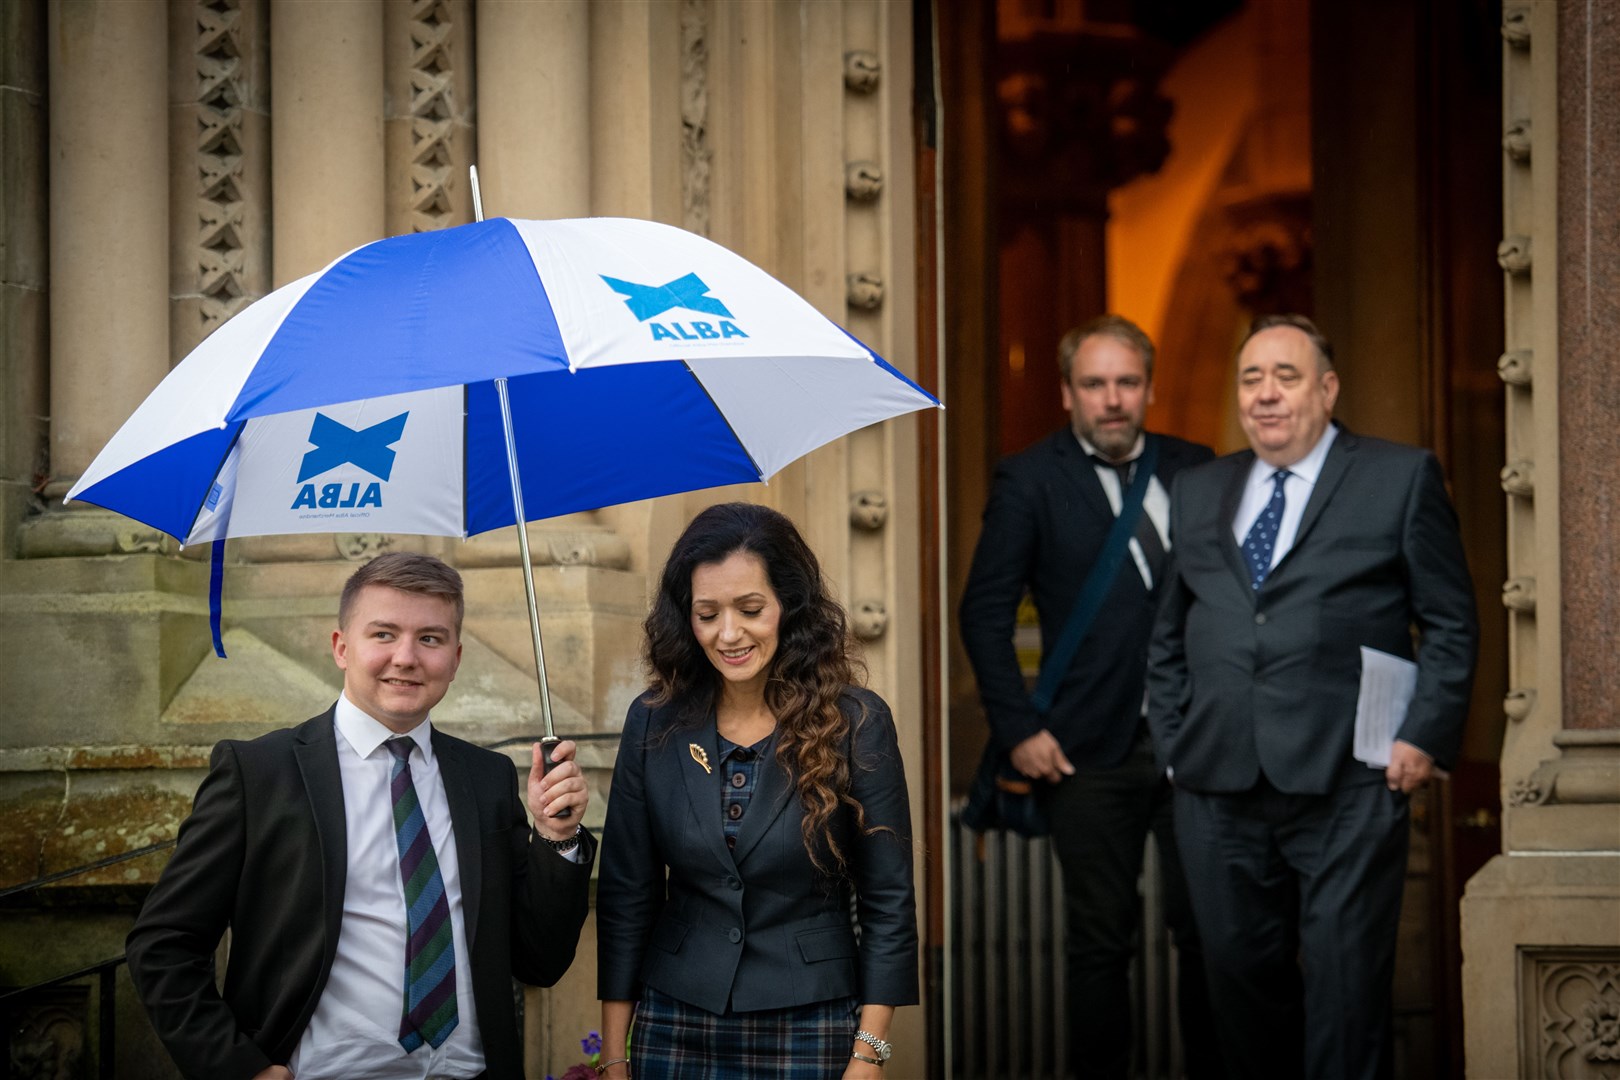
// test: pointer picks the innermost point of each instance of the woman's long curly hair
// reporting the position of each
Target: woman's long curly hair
(808, 674)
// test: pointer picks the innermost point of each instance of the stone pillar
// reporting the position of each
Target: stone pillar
(109, 214)
(428, 77)
(1547, 926)
(326, 82)
(534, 109)
(24, 317)
(635, 85)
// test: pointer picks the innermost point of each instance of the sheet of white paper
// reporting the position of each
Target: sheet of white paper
(1387, 686)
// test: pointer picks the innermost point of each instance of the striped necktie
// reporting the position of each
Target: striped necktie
(430, 956)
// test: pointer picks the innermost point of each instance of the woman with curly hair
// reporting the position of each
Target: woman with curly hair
(755, 913)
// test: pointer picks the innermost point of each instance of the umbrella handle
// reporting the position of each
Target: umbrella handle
(547, 744)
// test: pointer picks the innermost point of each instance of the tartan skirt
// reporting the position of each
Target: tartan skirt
(671, 1040)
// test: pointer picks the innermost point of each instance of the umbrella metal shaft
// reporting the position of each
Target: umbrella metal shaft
(523, 546)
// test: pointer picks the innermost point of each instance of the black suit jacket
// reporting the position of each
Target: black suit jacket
(1244, 683)
(757, 927)
(1045, 524)
(264, 853)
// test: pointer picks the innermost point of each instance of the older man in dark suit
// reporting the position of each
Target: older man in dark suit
(379, 878)
(1050, 511)
(1291, 558)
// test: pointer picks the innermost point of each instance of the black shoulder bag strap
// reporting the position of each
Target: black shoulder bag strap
(1098, 583)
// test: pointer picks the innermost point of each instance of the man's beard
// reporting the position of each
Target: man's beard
(1113, 443)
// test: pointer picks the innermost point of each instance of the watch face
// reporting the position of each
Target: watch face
(884, 1051)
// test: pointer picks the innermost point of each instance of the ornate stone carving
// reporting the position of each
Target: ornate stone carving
(220, 251)
(1519, 478)
(1515, 367)
(1526, 791)
(47, 1039)
(862, 71)
(1518, 703)
(696, 156)
(1516, 25)
(1513, 254)
(1080, 114)
(1600, 1028)
(1266, 253)
(863, 181)
(1575, 994)
(1516, 140)
(869, 619)
(362, 547)
(1519, 594)
(863, 291)
(433, 113)
(868, 510)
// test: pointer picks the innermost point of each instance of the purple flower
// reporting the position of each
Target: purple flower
(579, 1072)
(592, 1043)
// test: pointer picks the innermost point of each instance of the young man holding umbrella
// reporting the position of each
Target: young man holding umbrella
(379, 878)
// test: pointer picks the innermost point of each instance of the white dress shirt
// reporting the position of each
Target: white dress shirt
(354, 1033)
(1297, 490)
(1155, 503)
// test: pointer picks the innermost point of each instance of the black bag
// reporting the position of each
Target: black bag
(1000, 796)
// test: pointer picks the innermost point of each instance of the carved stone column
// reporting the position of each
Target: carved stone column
(109, 214)
(24, 266)
(428, 79)
(1547, 925)
(326, 81)
(219, 164)
(534, 108)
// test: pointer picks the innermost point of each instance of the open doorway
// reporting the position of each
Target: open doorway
(1191, 166)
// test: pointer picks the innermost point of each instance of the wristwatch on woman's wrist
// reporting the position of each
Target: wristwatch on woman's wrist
(882, 1049)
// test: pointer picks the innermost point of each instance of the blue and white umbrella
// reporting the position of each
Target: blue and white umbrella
(640, 360)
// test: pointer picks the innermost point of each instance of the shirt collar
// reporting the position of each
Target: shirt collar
(365, 734)
(1307, 468)
(1100, 458)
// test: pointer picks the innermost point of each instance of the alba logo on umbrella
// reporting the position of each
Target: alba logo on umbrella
(646, 302)
(338, 444)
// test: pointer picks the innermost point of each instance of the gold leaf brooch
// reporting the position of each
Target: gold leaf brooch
(700, 755)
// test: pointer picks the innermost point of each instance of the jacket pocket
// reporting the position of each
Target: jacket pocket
(831, 943)
(668, 935)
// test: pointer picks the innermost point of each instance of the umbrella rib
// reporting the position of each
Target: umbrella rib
(727, 421)
(201, 503)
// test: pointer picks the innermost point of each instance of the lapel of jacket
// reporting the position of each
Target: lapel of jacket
(1333, 470)
(702, 784)
(458, 793)
(772, 793)
(316, 752)
(1080, 474)
(1231, 495)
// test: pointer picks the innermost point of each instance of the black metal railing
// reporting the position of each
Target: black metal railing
(105, 972)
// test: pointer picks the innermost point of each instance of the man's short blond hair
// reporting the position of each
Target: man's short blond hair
(407, 571)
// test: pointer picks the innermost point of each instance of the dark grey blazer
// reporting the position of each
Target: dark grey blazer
(1045, 524)
(1242, 683)
(757, 927)
(264, 853)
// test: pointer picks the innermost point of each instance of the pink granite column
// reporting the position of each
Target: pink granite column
(1589, 357)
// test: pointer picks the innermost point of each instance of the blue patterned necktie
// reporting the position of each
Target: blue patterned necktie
(1262, 538)
(430, 956)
